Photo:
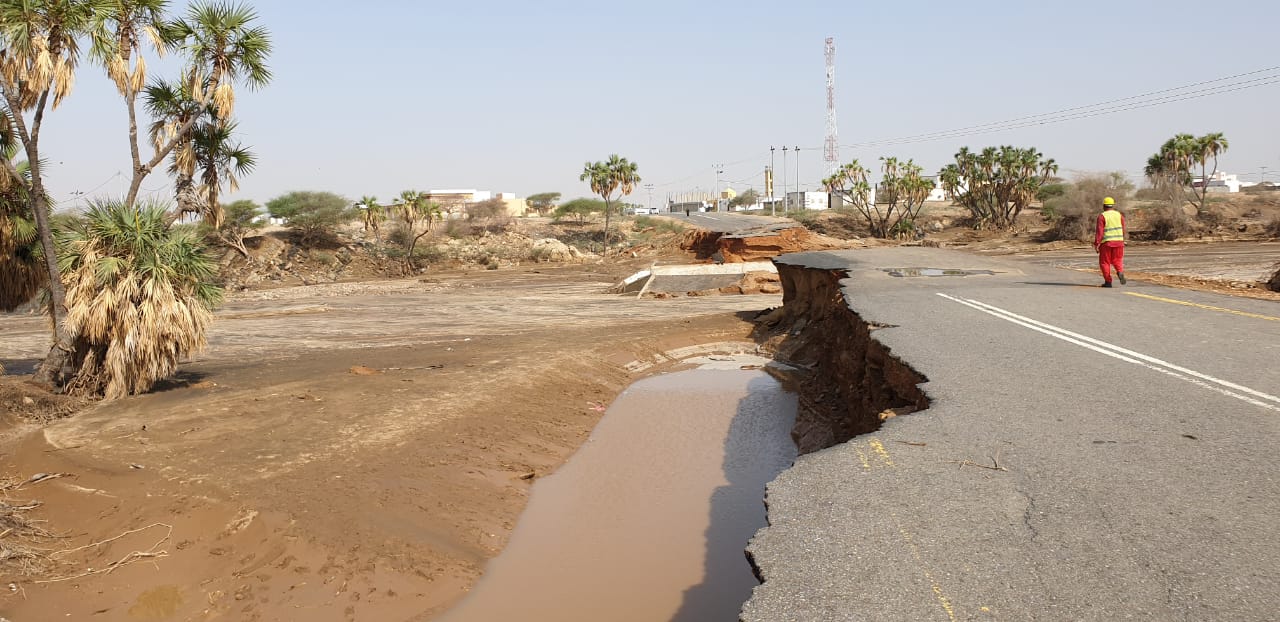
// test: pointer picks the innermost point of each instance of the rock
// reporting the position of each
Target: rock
(361, 370)
(550, 249)
(27, 401)
(936, 226)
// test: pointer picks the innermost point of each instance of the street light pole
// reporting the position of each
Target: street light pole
(773, 194)
(719, 170)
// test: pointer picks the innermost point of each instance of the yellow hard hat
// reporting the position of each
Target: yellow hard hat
(1108, 201)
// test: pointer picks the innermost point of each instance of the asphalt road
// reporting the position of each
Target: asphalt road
(1090, 454)
(1245, 261)
(730, 222)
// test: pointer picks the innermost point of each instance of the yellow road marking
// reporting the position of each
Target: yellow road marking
(1206, 307)
(915, 552)
(866, 465)
(883, 454)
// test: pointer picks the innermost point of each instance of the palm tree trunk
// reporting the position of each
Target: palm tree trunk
(607, 211)
(136, 183)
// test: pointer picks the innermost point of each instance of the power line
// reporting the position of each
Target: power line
(1112, 106)
(1136, 102)
(1097, 105)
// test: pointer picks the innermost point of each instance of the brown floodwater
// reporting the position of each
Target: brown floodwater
(649, 519)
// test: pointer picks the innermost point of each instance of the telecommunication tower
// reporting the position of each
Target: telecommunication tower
(831, 152)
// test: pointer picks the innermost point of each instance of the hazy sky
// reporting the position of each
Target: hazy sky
(378, 97)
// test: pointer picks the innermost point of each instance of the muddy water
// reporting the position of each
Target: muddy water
(648, 521)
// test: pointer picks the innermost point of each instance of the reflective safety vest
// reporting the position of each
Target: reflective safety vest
(1113, 231)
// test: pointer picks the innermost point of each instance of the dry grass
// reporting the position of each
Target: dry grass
(22, 553)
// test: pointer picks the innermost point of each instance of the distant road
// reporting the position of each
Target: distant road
(726, 222)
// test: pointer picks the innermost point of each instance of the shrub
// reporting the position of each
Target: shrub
(1273, 227)
(140, 297)
(578, 209)
(1169, 223)
(659, 225)
(313, 216)
(1073, 213)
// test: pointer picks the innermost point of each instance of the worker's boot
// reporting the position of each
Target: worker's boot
(1107, 284)
(1123, 280)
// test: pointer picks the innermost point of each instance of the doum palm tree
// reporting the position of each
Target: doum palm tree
(140, 297)
(372, 215)
(223, 47)
(616, 174)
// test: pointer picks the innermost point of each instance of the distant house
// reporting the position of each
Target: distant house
(808, 200)
(938, 193)
(1218, 182)
(454, 201)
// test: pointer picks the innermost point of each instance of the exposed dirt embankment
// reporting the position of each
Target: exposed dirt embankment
(848, 382)
(758, 246)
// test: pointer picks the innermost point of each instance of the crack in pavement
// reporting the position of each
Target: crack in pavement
(1026, 514)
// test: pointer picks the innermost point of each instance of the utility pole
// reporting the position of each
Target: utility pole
(773, 197)
(786, 200)
(649, 187)
(1264, 176)
(719, 170)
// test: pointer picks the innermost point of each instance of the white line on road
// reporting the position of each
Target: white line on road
(1128, 356)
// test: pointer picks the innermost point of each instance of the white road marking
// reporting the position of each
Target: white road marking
(1128, 356)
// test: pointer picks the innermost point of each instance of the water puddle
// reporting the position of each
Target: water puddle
(906, 272)
(649, 519)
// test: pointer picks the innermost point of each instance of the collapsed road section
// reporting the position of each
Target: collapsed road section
(1079, 458)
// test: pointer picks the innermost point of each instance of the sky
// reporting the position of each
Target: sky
(373, 98)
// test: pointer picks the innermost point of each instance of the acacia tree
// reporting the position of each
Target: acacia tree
(892, 209)
(1171, 168)
(996, 184)
(748, 197)
(240, 219)
(543, 202)
(579, 209)
(605, 178)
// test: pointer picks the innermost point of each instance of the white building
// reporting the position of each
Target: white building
(1218, 182)
(808, 200)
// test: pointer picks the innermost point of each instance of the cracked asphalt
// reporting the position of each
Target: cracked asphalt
(1089, 454)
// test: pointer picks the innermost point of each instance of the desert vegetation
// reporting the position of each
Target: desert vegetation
(88, 270)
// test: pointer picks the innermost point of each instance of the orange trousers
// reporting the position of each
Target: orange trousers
(1110, 254)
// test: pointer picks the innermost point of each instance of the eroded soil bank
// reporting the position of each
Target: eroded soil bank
(848, 382)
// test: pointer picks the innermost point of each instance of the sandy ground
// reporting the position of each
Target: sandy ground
(340, 452)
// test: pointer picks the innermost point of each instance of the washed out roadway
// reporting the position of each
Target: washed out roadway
(1129, 471)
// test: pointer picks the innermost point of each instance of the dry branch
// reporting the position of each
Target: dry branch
(151, 553)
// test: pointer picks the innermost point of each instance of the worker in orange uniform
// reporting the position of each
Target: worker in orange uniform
(1108, 241)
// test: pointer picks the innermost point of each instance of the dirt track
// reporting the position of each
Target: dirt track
(294, 483)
